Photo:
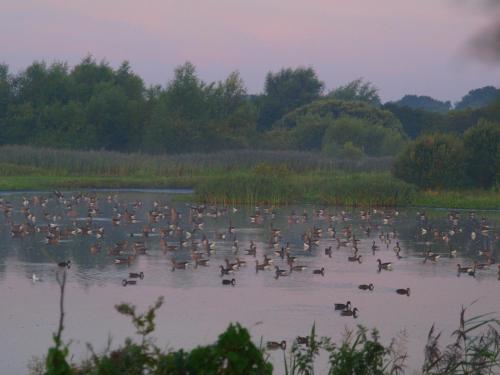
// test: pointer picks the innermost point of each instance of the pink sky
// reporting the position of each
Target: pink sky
(402, 46)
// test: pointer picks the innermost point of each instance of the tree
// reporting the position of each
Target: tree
(478, 98)
(357, 90)
(433, 161)
(286, 90)
(424, 102)
(482, 148)
(349, 135)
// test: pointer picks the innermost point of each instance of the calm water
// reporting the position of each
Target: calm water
(197, 307)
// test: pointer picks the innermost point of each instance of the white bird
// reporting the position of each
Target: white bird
(35, 278)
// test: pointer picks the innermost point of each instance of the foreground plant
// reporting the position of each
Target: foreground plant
(472, 353)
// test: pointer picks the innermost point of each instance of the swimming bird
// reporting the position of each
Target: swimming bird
(281, 272)
(134, 275)
(126, 282)
(384, 266)
(348, 312)
(66, 264)
(342, 306)
(229, 282)
(404, 292)
(274, 345)
(35, 278)
(320, 271)
(369, 287)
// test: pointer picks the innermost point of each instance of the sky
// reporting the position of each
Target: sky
(418, 47)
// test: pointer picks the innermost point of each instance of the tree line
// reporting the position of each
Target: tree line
(94, 106)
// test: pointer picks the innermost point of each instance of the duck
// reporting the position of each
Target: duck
(328, 251)
(384, 266)
(342, 306)
(403, 292)
(369, 287)
(348, 312)
(319, 271)
(35, 278)
(66, 264)
(134, 275)
(274, 345)
(231, 282)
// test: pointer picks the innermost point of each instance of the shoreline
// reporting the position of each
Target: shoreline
(194, 188)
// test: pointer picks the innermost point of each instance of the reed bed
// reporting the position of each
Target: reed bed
(107, 163)
(354, 189)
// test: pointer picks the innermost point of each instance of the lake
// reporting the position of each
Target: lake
(198, 307)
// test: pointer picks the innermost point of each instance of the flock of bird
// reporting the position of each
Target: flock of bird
(60, 217)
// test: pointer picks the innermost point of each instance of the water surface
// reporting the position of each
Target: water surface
(197, 307)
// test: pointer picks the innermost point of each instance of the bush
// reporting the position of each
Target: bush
(433, 161)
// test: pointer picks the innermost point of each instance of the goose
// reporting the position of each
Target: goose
(348, 312)
(66, 264)
(374, 248)
(200, 262)
(342, 306)
(179, 265)
(274, 345)
(320, 271)
(126, 282)
(134, 275)
(281, 272)
(261, 267)
(403, 292)
(369, 287)
(481, 266)
(234, 266)
(465, 269)
(355, 258)
(298, 268)
(384, 266)
(225, 271)
(126, 260)
(328, 251)
(231, 282)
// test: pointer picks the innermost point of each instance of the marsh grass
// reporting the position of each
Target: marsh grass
(106, 163)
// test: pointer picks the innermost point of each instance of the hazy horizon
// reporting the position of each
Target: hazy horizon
(413, 47)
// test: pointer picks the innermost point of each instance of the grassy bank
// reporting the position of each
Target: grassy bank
(230, 177)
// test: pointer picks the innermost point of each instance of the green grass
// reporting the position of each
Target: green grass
(230, 177)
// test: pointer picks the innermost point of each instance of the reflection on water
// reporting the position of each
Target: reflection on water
(424, 248)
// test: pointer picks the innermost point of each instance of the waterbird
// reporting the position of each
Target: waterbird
(342, 306)
(66, 264)
(320, 271)
(134, 275)
(274, 345)
(126, 282)
(403, 292)
(35, 278)
(369, 287)
(348, 312)
(384, 266)
(229, 282)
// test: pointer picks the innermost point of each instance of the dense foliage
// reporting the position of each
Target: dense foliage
(447, 161)
(424, 102)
